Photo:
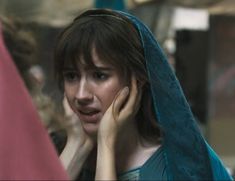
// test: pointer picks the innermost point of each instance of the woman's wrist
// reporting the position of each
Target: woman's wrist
(106, 141)
(75, 154)
(105, 167)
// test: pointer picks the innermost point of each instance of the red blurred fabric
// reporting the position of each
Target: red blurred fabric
(26, 152)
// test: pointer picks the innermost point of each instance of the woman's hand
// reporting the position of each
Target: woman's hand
(121, 111)
(74, 127)
(78, 146)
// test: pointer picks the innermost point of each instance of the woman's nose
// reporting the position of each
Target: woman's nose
(84, 92)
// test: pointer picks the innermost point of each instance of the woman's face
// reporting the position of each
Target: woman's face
(91, 90)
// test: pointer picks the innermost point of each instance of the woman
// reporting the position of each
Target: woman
(131, 119)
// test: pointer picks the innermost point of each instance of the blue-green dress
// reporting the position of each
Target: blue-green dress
(153, 169)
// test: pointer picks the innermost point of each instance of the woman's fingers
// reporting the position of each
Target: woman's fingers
(125, 104)
(72, 123)
(120, 100)
(67, 108)
(133, 102)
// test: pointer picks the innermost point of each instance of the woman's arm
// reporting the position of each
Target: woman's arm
(78, 145)
(105, 166)
(123, 109)
(74, 155)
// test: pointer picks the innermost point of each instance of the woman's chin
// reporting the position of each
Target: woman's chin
(91, 129)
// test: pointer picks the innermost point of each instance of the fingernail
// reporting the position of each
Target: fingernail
(126, 90)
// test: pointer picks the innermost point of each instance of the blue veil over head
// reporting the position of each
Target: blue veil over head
(186, 153)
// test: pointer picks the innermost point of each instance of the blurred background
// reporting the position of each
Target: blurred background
(198, 37)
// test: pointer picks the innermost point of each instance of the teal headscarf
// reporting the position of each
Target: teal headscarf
(187, 154)
(111, 4)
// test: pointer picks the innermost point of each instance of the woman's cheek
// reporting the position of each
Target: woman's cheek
(108, 93)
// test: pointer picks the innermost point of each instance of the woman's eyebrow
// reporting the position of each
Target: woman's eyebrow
(103, 68)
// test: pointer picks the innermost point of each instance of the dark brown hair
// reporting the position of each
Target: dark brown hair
(117, 42)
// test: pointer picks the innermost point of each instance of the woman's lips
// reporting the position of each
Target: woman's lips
(89, 112)
(89, 116)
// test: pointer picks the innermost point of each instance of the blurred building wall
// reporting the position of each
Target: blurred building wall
(222, 86)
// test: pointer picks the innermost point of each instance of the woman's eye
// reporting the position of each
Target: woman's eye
(100, 76)
(70, 76)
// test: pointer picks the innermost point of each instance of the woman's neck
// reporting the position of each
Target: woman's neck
(132, 150)
(128, 139)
